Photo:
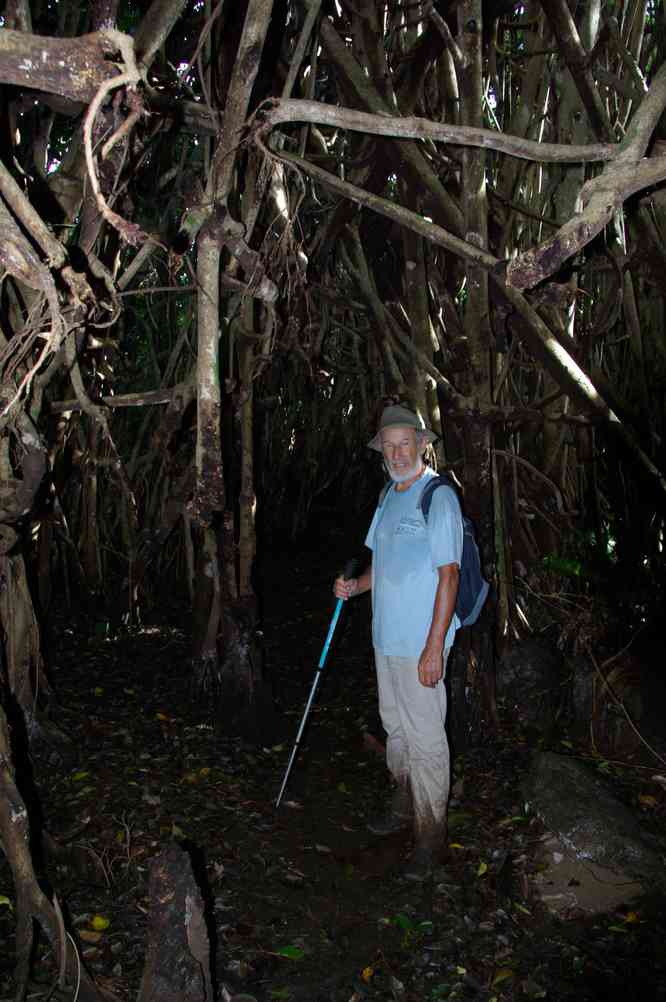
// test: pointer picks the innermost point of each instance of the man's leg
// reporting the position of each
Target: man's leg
(399, 811)
(422, 712)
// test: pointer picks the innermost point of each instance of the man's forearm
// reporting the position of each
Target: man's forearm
(445, 604)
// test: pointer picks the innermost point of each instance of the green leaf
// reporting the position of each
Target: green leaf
(291, 952)
(403, 922)
(4, 900)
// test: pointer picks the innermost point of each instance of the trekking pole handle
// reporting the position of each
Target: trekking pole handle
(351, 568)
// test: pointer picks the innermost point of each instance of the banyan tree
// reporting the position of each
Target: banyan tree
(230, 231)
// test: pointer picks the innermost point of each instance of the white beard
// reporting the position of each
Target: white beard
(403, 475)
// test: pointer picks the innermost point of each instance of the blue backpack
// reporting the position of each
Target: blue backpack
(472, 586)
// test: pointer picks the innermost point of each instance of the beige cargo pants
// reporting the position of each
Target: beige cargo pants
(417, 749)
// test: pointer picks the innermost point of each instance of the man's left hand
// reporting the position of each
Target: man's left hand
(431, 666)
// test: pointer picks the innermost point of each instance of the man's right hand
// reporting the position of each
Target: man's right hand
(345, 589)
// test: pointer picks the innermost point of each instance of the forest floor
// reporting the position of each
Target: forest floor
(306, 904)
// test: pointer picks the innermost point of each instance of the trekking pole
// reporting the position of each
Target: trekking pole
(348, 573)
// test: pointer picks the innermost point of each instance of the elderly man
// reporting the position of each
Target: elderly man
(413, 575)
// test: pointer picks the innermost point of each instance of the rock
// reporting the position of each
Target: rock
(590, 821)
(568, 886)
(529, 680)
(601, 712)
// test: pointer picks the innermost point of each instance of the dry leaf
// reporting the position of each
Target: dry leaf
(89, 935)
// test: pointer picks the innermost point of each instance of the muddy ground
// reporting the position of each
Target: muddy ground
(304, 904)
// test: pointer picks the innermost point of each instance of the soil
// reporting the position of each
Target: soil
(303, 903)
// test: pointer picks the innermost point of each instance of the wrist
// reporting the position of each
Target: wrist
(435, 645)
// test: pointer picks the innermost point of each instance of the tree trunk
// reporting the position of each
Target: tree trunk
(477, 439)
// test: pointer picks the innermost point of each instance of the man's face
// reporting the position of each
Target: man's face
(401, 448)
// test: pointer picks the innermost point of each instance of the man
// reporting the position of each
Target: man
(413, 575)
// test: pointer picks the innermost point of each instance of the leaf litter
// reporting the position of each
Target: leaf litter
(305, 904)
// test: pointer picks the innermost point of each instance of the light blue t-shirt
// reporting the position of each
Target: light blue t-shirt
(405, 556)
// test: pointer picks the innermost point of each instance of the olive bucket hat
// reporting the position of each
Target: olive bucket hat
(401, 417)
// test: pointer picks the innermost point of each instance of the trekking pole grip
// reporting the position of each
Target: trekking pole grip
(351, 569)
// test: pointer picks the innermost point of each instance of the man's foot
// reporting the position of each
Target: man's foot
(419, 866)
(388, 822)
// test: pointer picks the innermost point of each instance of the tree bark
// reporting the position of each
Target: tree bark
(177, 962)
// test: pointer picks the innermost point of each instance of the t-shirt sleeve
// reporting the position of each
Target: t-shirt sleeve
(370, 538)
(445, 528)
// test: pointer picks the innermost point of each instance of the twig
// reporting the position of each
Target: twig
(63, 942)
(618, 702)
(512, 457)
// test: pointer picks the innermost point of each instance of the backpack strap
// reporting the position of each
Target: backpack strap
(441, 480)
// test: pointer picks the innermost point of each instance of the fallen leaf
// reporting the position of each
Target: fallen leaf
(100, 922)
(632, 918)
(501, 975)
(367, 973)
(90, 936)
(647, 800)
(483, 868)
(456, 845)
(4, 900)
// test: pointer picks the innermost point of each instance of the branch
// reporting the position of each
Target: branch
(156, 26)
(646, 119)
(30, 219)
(442, 27)
(562, 366)
(71, 67)
(569, 43)
(149, 398)
(130, 232)
(274, 111)
(405, 217)
(600, 199)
